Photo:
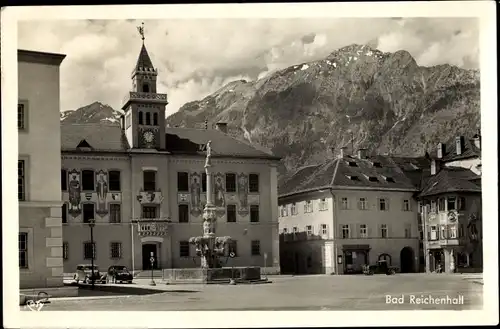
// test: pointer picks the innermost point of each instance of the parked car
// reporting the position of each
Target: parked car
(382, 267)
(119, 273)
(84, 274)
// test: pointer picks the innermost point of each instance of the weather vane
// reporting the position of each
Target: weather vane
(141, 31)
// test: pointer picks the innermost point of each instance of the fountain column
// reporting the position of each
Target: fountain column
(209, 216)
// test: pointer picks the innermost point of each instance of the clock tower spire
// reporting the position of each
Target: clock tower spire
(144, 107)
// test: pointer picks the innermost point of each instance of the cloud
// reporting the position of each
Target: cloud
(196, 57)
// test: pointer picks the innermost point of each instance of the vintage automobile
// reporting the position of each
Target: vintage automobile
(84, 274)
(382, 267)
(119, 273)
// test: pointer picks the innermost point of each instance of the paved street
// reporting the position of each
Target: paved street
(292, 293)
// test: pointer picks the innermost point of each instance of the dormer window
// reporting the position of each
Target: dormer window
(373, 179)
(355, 178)
(84, 145)
(377, 164)
(352, 164)
(389, 180)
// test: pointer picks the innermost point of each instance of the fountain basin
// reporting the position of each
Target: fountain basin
(212, 275)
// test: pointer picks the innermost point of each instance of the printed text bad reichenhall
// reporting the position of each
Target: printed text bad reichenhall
(424, 300)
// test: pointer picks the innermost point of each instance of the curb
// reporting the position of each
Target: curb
(88, 297)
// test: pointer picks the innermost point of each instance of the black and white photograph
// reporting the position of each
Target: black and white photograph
(309, 159)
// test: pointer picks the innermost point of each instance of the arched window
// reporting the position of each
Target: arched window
(155, 119)
(140, 118)
(145, 88)
(148, 118)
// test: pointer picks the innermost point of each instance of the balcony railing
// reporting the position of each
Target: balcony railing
(133, 95)
(152, 226)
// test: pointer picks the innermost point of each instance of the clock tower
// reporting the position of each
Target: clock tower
(145, 108)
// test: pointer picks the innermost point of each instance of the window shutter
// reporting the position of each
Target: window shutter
(368, 231)
(388, 230)
(339, 234)
(357, 233)
(386, 204)
(359, 204)
(379, 231)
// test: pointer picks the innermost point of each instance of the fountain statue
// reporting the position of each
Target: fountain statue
(208, 246)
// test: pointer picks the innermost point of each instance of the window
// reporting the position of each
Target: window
(373, 179)
(407, 231)
(65, 247)
(363, 232)
(295, 230)
(433, 206)
(233, 247)
(140, 118)
(461, 231)
(64, 180)
(285, 230)
(203, 182)
(231, 213)
(115, 213)
(309, 230)
(116, 250)
(293, 209)
(443, 234)
(452, 203)
(323, 205)
(362, 204)
(461, 203)
(88, 180)
(308, 207)
(149, 211)
(383, 231)
(382, 205)
(389, 180)
(255, 247)
(441, 204)
(284, 211)
(324, 229)
(114, 180)
(452, 230)
(21, 181)
(23, 250)
(230, 183)
(88, 212)
(21, 117)
(253, 183)
(254, 213)
(353, 164)
(356, 178)
(145, 88)
(420, 207)
(377, 164)
(183, 213)
(64, 213)
(345, 232)
(88, 251)
(149, 180)
(148, 118)
(184, 248)
(406, 205)
(155, 119)
(433, 233)
(345, 204)
(182, 182)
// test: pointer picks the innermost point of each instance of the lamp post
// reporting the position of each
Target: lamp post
(152, 260)
(91, 225)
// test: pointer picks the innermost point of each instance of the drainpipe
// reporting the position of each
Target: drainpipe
(334, 232)
(133, 256)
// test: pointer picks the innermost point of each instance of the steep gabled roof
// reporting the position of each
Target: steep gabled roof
(451, 179)
(100, 137)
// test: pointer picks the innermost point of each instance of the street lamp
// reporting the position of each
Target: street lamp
(152, 260)
(91, 225)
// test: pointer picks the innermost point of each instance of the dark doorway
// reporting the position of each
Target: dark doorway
(407, 260)
(147, 249)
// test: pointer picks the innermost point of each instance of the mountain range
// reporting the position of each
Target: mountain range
(357, 97)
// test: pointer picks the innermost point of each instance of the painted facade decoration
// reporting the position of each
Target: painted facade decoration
(74, 189)
(145, 197)
(243, 194)
(102, 192)
(220, 201)
(195, 194)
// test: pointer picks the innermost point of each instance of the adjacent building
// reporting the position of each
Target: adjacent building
(350, 211)
(39, 193)
(453, 207)
(145, 186)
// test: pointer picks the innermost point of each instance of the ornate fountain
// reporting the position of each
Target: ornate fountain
(208, 246)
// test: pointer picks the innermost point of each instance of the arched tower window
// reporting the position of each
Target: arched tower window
(148, 118)
(140, 117)
(145, 88)
(155, 119)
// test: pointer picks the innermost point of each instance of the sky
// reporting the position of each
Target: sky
(196, 57)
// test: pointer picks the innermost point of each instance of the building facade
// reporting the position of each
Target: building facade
(145, 186)
(452, 210)
(349, 212)
(39, 193)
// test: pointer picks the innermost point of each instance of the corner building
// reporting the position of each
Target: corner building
(145, 186)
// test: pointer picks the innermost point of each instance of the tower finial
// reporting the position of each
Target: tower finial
(141, 31)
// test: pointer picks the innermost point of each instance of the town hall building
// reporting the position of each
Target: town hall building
(144, 185)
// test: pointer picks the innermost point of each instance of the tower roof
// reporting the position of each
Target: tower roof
(144, 61)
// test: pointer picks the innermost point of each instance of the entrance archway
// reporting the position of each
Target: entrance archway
(147, 249)
(407, 261)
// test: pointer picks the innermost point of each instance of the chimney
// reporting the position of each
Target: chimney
(342, 151)
(441, 150)
(434, 167)
(362, 153)
(477, 140)
(459, 144)
(206, 124)
(221, 126)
